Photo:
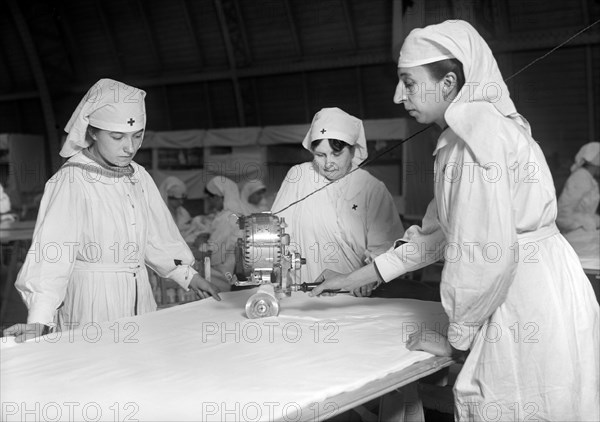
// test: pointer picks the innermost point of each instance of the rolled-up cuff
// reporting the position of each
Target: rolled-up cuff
(41, 313)
(389, 266)
(182, 275)
(462, 335)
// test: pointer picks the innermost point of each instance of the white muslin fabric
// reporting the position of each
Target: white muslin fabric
(512, 286)
(206, 361)
(109, 105)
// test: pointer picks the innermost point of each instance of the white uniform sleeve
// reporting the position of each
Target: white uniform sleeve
(383, 222)
(570, 216)
(480, 254)
(419, 247)
(166, 251)
(43, 279)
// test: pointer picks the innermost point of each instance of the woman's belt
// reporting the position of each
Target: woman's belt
(133, 267)
(537, 235)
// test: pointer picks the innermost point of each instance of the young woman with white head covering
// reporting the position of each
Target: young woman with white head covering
(513, 288)
(101, 221)
(350, 221)
(578, 202)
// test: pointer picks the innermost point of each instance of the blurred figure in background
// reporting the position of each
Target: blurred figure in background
(224, 197)
(254, 196)
(578, 202)
(5, 214)
(174, 193)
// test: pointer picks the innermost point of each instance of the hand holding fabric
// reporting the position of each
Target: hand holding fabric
(24, 332)
(429, 341)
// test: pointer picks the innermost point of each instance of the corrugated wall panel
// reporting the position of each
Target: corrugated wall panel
(552, 95)
(543, 15)
(188, 107)
(174, 42)
(94, 46)
(14, 54)
(32, 118)
(372, 23)
(323, 27)
(379, 85)
(204, 16)
(10, 120)
(131, 39)
(222, 100)
(278, 109)
(268, 30)
(437, 11)
(334, 88)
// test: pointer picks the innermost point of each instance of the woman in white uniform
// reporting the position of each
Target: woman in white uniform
(254, 196)
(174, 192)
(224, 230)
(512, 287)
(578, 202)
(101, 221)
(346, 224)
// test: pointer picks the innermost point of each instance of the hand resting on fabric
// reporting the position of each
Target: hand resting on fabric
(204, 288)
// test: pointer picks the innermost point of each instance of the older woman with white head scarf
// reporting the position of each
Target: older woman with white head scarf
(105, 220)
(578, 202)
(514, 291)
(352, 219)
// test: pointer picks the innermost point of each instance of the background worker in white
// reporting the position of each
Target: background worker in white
(173, 191)
(578, 202)
(513, 288)
(343, 226)
(101, 221)
(225, 231)
(254, 196)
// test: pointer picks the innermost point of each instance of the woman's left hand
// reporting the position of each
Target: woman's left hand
(204, 288)
(429, 341)
(365, 291)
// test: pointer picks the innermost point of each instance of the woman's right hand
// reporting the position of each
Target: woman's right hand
(204, 288)
(23, 332)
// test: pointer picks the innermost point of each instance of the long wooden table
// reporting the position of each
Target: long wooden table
(206, 361)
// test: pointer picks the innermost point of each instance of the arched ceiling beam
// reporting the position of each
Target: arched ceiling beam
(517, 42)
(225, 31)
(349, 24)
(72, 45)
(293, 27)
(191, 29)
(150, 35)
(40, 80)
(109, 35)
